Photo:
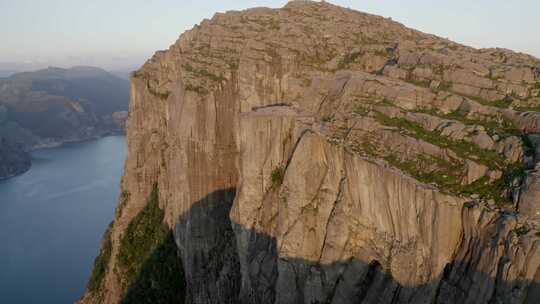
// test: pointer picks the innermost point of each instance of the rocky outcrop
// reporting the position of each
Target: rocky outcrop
(339, 224)
(315, 154)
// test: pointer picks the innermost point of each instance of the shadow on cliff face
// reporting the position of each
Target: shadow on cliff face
(212, 250)
(161, 279)
(208, 249)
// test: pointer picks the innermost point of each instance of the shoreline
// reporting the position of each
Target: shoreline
(58, 144)
(53, 145)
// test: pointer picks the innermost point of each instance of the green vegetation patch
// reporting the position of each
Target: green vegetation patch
(492, 125)
(161, 279)
(447, 174)
(462, 148)
(204, 73)
(363, 106)
(101, 263)
(425, 168)
(444, 86)
(419, 83)
(486, 190)
(501, 103)
(522, 230)
(469, 205)
(447, 178)
(148, 257)
(159, 94)
(277, 176)
(198, 89)
(122, 202)
(497, 190)
(528, 109)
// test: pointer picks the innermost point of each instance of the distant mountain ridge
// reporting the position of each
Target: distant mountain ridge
(51, 106)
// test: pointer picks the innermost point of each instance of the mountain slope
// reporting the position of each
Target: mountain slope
(315, 154)
(54, 105)
(13, 160)
(106, 92)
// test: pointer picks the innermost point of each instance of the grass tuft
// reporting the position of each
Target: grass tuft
(277, 176)
(462, 148)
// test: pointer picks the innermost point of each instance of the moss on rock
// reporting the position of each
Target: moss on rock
(101, 263)
(148, 258)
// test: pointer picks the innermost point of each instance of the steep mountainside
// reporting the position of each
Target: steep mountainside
(13, 159)
(52, 106)
(316, 154)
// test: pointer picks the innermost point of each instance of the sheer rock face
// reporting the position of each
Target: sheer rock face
(315, 154)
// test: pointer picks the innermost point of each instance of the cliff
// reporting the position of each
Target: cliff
(316, 154)
(53, 106)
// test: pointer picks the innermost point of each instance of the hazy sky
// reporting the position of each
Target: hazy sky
(118, 34)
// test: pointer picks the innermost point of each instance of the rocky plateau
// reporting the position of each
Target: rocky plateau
(317, 154)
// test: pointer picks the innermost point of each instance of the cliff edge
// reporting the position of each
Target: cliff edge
(316, 154)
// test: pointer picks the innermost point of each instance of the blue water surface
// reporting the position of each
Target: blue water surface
(52, 219)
